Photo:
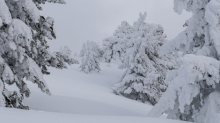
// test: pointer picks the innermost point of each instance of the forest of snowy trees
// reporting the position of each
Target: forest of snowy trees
(178, 77)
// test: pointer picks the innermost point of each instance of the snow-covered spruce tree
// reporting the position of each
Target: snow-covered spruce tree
(90, 61)
(115, 46)
(65, 55)
(96, 48)
(194, 89)
(82, 51)
(146, 71)
(101, 50)
(24, 52)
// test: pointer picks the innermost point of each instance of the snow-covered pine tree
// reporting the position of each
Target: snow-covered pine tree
(65, 55)
(100, 49)
(115, 46)
(82, 51)
(24, 52)
(90, 61)
(146, 71)
(194, 89)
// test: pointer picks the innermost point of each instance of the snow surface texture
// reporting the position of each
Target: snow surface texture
(193, 90)
(82, 98)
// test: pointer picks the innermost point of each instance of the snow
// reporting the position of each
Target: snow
(198, 77)
(48, 117)
(210, 111)
(31, 9)
(17, 27)
(35, 72)
(4, 13)
(80, 98)
(187, 84)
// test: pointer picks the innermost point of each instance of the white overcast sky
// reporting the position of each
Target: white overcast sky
(82, 20)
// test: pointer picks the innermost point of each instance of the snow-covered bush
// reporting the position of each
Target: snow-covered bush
(193, 92)
(90, 60)
(146, 71)
(115, 46)
(24, 52)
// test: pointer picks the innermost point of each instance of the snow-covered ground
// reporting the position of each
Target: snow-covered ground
(81, 98)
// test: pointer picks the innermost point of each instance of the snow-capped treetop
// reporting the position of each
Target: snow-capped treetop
(142, 17)
(149, 36)
(116, 45)
(123, 30)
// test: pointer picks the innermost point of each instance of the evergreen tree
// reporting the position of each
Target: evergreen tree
(193, 92)
(65, 55)
(82, 51)
(115, 46)
(90, 59)
(24, 52)
(146, 70)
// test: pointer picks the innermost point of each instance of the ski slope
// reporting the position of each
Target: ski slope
(78, 97)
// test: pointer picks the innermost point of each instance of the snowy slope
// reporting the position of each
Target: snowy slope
(80, 98)
(22, 116)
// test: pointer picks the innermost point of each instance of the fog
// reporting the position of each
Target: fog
(82, 20)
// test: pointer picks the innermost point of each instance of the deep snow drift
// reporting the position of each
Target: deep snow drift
(81, 98)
